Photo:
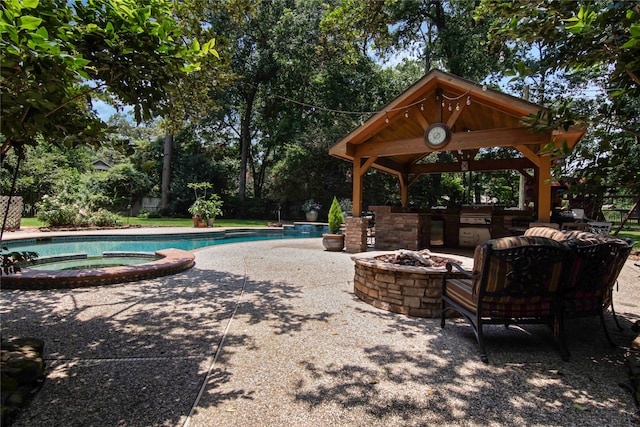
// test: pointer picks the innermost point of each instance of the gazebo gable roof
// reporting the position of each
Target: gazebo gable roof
(478, 116)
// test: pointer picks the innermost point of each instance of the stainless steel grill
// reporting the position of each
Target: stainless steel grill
(475, 224)
(475, 216)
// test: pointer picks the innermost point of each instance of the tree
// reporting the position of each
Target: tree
(55, 54)
(288, 98)
(45, 169)
(591, 52)
(244, 32)
(442, 33)
(602, 37)
(197, 160)
(118, 187)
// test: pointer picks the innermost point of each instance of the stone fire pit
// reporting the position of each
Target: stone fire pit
(406, 289)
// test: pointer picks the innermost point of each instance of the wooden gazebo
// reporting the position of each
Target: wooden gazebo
(461, 117)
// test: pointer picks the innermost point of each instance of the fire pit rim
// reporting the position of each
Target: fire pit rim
(369, 259)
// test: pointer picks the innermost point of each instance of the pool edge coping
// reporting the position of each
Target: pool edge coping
(172, 261)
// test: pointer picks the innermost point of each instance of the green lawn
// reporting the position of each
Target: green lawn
(168, 222)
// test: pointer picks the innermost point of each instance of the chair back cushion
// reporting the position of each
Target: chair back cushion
(520, 276)
(584, 238)
(548, 232)
(593, 273)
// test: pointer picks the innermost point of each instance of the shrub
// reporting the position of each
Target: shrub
(335, 216)
(104, 218)
(54, 212)
(12, 261)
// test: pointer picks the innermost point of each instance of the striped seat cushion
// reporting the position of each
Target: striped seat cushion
(509, 307)
(460, 291)
(584, 238)
(582, 302)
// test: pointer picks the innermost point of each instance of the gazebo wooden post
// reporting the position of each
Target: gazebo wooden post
(404, 189)
(357, 186)
(356, 225)
(544, 189)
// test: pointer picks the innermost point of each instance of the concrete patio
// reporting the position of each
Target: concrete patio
(270, 334)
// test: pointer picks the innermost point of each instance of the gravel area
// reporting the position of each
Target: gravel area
(270, 334)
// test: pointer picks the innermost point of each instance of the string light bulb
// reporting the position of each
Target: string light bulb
(406, 113)
(450, 107)
(457, 106)
(386, 119)
(468, 100)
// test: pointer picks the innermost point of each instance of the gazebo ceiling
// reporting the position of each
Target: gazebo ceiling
(479, 117)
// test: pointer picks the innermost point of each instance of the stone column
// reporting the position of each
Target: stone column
(356, 234)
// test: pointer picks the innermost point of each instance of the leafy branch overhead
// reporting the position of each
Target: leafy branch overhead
(57, 55)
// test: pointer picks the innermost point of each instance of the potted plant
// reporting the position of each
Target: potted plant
(203, 210)
(197, 212)
(334, 240)
(211, 209)
(311, 208)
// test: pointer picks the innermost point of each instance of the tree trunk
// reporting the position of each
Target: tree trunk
(245, 143)
(260, 173)
(166, 170)
(245, 140)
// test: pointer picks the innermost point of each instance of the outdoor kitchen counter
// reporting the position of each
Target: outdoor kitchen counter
(400, 228)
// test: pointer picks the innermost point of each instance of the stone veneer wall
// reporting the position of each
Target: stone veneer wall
(414, 291)
(396, 229)
(355, 234)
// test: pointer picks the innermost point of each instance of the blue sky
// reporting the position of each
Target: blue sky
(105, 111)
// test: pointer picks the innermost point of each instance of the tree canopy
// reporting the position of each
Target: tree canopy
(586, 68)
(291, 76)
(57, 54)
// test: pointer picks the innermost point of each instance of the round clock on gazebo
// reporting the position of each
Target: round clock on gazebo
(437, 135)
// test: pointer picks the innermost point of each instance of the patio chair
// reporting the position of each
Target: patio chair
(582, 226)
(515, 280)
(588, 289)
(599, 227)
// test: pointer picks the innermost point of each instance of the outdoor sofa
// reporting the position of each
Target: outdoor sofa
(545, 276)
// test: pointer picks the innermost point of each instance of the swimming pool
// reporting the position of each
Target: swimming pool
(172, 250)
(96, 245)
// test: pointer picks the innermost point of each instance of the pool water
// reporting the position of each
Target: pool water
(95, 246)
(89, 262)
